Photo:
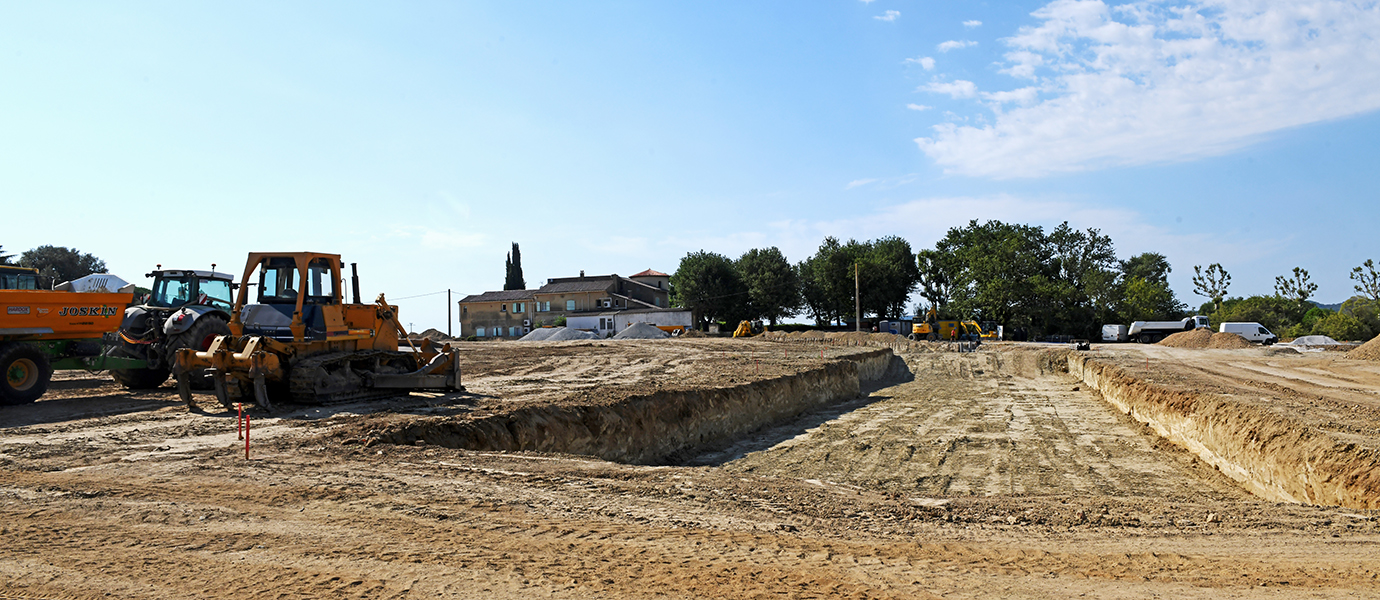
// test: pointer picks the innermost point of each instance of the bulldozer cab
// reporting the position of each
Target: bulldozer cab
(294, 291)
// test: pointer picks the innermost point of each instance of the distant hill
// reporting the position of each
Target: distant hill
(1337, 306)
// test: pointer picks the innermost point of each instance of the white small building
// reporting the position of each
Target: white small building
(614, 321)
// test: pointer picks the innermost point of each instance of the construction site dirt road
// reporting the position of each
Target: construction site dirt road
(713, 468)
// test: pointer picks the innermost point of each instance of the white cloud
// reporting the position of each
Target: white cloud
(1146, 82)
(955, 45)
(972, 24)
(859, 183)
(914, 106)
(889, 16)
(956, 89)
(1025, 95)
(924, 61)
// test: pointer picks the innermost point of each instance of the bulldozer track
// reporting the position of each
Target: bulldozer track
(307, 374)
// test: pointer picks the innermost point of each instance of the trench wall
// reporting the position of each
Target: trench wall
(1274, 457)
(664, 426)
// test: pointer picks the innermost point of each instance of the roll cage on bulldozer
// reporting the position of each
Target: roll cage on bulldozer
(301, 342)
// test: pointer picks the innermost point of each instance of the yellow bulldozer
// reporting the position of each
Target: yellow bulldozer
(299, 341)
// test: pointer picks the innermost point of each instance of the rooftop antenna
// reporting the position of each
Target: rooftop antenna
(213, 269)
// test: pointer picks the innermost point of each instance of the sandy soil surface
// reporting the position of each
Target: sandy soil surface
(975, 480)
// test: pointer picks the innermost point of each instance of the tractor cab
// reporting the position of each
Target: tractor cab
(18, 278)
(173, 288)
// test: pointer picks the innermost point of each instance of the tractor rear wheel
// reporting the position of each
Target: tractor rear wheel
(25, 373)
(136, 379)
(197, 337)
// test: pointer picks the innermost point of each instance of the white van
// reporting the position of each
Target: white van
(1253, 332)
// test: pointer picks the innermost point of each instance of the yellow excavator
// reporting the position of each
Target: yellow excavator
(933, 329)
(749, 329)
(299, 341)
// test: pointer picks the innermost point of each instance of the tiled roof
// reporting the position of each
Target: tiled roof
(575, 286)
(503, 296)
(651, 273)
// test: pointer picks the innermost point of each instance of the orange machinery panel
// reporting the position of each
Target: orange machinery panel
(42, 314)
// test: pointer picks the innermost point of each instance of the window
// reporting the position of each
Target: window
(657, 300)
(479, 332)
(503, 308)
(543, 307)
(320, 281)
(518, 307)
(570, 305)
(512, 332)
(215, 288)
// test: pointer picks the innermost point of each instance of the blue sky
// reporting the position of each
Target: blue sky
(420, 140)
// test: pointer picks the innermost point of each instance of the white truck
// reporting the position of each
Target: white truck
(1253, 332)
(1149, 332)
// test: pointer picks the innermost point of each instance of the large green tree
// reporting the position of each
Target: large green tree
(513, 279)
(57, 264)
(709, 285)
(1151, 299)
(5, 258)
(772, 284)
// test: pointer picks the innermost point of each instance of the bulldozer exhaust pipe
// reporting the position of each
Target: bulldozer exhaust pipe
(354, 280)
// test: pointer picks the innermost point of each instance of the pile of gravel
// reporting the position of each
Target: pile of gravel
(562, 334)
(1314, 340)
(641, 331)
(539, 334)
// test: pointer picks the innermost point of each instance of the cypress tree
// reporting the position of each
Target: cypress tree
(513, 279)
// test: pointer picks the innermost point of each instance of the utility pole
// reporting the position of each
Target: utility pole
(857, 299)
(448, 315)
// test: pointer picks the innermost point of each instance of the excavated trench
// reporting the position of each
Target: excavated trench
(1012, 422)
(663, 427)
(1273, 457)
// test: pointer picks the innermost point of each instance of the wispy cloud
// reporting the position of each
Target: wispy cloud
(866, 1)
(914, 106)
(957, 89)
(972, 24)
(924, 61)
(859, 183)
(890, 15)
(955, 45)
(1144, 83)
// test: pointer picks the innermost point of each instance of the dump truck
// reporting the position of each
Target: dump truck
(186, 308)
(43, 330)
(299, 341)
(1149, 332)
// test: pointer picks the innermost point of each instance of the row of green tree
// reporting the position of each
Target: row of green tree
(1062, 281)
(55, 264)
(1289, 312)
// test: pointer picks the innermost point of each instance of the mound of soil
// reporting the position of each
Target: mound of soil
(562, 334)
(1223, 339)
(1367, 351)
(434, 335)
(1198, 338)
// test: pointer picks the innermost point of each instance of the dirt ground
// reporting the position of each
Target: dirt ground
(980, 478)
